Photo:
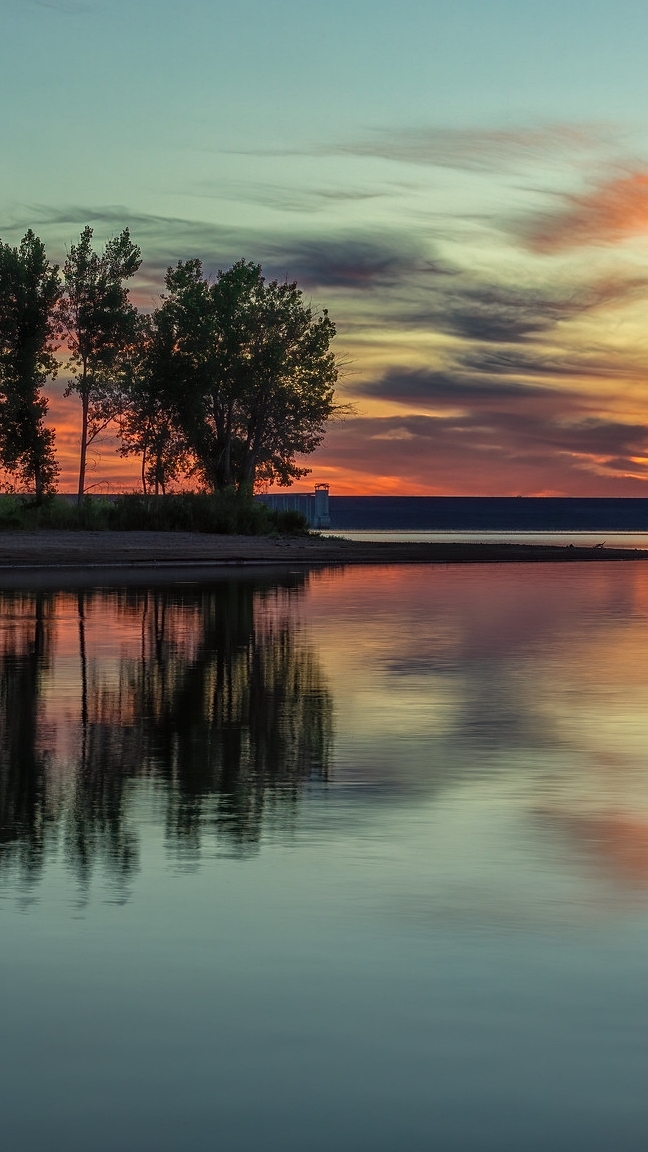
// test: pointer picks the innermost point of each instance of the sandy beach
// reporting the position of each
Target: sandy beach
(84, 555)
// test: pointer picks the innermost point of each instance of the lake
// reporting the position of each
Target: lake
(556, 539)
(353, 860)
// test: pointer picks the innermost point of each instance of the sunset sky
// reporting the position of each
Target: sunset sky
(464, 185)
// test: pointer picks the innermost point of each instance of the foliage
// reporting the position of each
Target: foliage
(99, 325)
(222, 513)
(29, 290)
(147, 426)
(246, 371)
(230, 381)
(19, 512)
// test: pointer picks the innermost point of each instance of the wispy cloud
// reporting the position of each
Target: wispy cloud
(469, 149)
(164, 239)
(449, 387)
(611, 212)
(352, 261)
(344, 260)
(481, 150)
(286, 198)
(586, 364)
(493, 452)
(499, 313)
(114, 216)
(468, 306)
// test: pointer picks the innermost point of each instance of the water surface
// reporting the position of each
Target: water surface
(557, 539)
(354, 860)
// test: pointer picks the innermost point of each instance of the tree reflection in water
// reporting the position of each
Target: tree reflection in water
(25, 653)
(212, 694)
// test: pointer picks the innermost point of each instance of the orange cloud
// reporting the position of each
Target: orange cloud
(486, 453)
(609, 214)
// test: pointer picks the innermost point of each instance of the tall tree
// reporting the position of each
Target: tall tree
(147, 425)
(99, 325)
(29, 289)
(249, 374)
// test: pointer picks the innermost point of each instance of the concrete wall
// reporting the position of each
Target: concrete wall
(313, 505)
(490, 513)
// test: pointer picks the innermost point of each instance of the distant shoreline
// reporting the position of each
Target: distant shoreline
(87, 557)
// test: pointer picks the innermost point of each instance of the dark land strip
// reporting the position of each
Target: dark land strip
(185, 555)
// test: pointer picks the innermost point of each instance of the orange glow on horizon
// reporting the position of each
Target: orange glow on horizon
(354, 463)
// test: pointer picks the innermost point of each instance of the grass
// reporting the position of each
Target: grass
(224, 513)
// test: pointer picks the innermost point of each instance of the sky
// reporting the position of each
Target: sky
(464, 186)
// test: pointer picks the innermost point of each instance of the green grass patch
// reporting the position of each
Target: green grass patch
(224, 513)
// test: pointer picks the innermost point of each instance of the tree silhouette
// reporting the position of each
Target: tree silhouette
(29, 290)
(247, 372)
(147, 427)
(99, 325)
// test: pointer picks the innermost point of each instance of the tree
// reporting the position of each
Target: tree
(147, 426)
(249, 375)
(29, 289)
(99, 325)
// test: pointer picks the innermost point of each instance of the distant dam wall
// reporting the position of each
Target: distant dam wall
(464, 513)
(313, 505)
(489, 513)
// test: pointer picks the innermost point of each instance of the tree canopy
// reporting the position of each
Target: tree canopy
(98, 323)
(229, 380)
(147, 425)
(245, 367)
(29, 290)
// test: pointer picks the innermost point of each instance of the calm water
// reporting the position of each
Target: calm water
(352, 861)
(582, 539)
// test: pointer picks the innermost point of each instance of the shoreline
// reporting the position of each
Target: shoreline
(124, 556)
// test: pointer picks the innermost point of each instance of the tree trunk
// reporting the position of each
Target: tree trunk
(84, 446)
(144, 470)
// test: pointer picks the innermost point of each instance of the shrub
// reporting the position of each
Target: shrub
(223, 513)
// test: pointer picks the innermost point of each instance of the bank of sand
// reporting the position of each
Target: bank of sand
(138, 556)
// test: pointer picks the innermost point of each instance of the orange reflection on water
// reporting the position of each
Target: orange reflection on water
(520, 690)
(616, 841)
